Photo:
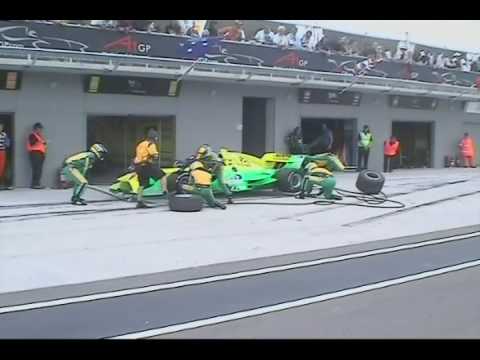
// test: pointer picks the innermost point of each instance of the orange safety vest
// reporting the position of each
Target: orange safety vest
(390, 149)
(40, 145)
(467, 146)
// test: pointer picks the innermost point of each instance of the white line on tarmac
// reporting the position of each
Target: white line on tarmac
(236, 275)
(293, 304)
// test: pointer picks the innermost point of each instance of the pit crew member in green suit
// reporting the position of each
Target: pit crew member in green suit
(215, 165)
(202, 184)
(316, 173)
(76, 167)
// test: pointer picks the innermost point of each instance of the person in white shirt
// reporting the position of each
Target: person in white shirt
(102, 23)
(440, 62)
(264, 36)
(402, 54)
(307, 40)
(464, 65)
(281, 38)
(292, 38)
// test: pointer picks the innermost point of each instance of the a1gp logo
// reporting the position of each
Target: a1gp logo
(302, 62)
(129, 45)
(143, 48)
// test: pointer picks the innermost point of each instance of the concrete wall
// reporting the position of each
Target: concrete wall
(205, 113)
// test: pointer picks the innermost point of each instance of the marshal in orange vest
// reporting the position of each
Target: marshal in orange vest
(40, 145)
(390, 147)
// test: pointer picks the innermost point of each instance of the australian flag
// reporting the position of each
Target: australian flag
(196, 48)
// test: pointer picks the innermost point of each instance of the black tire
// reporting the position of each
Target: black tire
(185, 203)
(172, 182)
(370, 182)
(182, 179)
(289, 180)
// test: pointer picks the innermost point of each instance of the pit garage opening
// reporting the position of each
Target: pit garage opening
(121, 134)
(415, 143)
(343, 131)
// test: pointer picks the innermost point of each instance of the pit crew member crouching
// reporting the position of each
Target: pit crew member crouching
(317, 174)
(202, 184)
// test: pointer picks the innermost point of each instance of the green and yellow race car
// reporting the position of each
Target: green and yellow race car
(242, 172)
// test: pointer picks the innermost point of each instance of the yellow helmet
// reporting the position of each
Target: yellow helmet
(99, 150)
(203, 150)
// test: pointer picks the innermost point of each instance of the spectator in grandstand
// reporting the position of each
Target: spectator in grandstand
(102, 23)
(281, 38)
(264, 36)
(422, 58)
(431, 58)
(324, 45)
(185, 24)
(125, 25)
(368, 49)
(453, 62)
(307, 41)
(343, 45)
(152, 27)
(192, 31)
(474, 66)
(292, 38)
(352, 48)
(141, 25)
(388, 54)
(212, 28)
(464, 64)
(174, 27)
(440, 61)
(402, 54)
(233, 33)
(379, 53)
(60, 22)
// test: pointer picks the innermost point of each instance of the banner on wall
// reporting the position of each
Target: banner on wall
(21, 34)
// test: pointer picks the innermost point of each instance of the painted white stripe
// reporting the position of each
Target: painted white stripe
(293, 304)
(210, 279)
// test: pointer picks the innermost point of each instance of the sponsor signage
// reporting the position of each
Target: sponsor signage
(23, 34)
(331, 97)
(99, 84)
(413, 102)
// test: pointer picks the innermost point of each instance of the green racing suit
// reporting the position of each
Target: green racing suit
(75, 169)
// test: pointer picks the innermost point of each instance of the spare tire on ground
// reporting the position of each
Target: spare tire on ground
(185, 203)
(289, 180)
(370, 182)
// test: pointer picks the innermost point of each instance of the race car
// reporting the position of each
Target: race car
(242, 172)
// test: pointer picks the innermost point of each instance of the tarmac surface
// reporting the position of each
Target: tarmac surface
(314, 295)
(45, 242)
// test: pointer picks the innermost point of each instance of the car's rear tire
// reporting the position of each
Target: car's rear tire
(289, 180)
(185, 203)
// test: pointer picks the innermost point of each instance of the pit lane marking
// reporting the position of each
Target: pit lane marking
(223, 277)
